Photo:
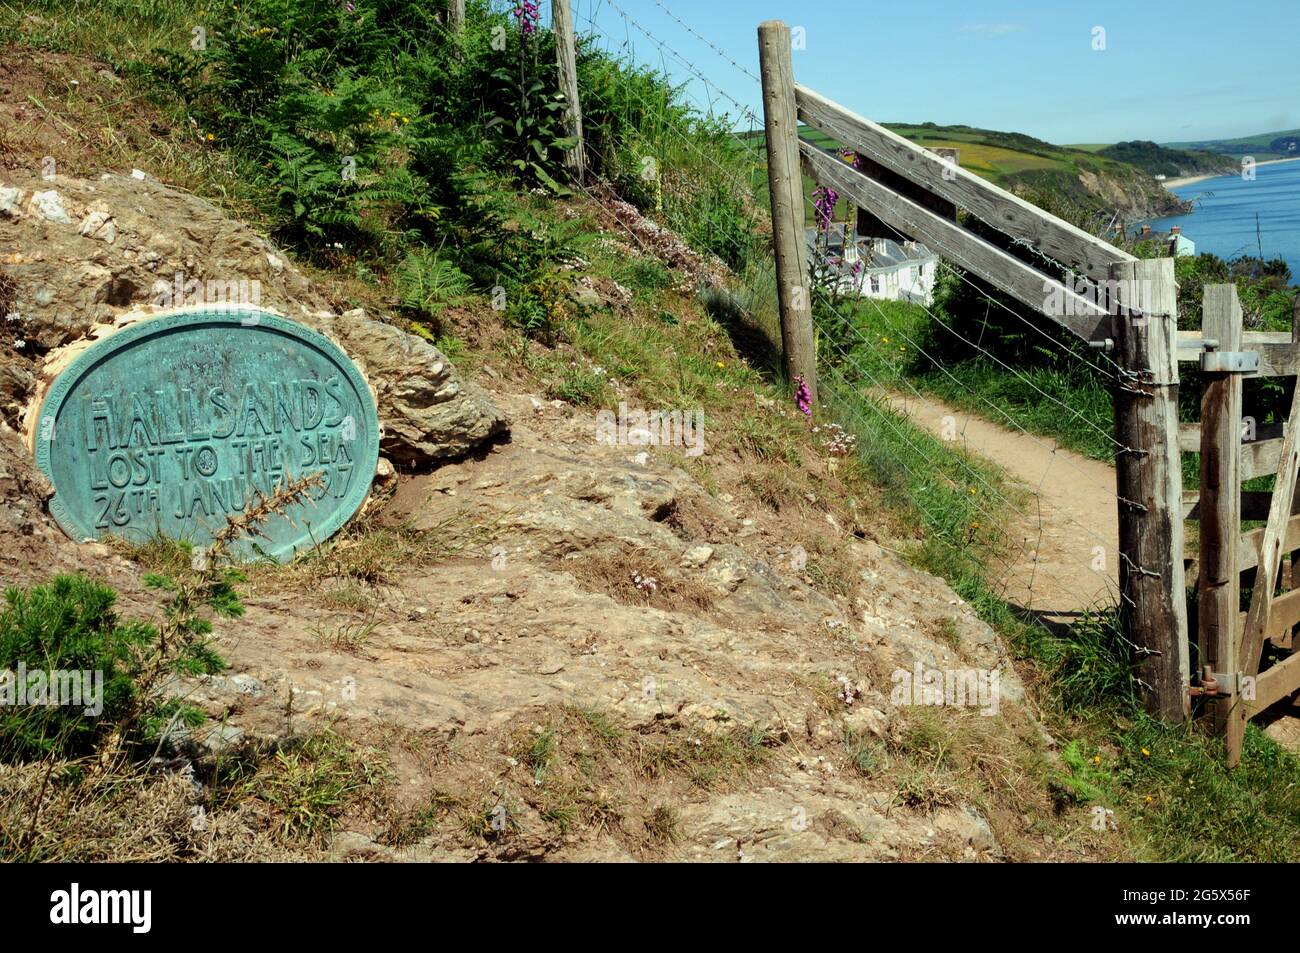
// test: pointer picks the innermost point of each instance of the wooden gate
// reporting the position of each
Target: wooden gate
(1235, 449)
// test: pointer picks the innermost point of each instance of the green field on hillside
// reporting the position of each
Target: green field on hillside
(1262, 145)
(1007, 159)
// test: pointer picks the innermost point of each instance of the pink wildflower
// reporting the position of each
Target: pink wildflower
(803, 397)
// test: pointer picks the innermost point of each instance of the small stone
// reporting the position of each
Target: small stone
(221, 738)
(696, 556)
(586, 297)
(246, 684)
(138, 175)
(98, 225)
(551, 666)
(275, 262)
(9, 201)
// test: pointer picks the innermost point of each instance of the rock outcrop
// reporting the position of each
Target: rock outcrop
(76, 255)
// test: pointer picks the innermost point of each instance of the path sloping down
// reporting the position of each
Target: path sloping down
(1063, 541)
(1069, 510)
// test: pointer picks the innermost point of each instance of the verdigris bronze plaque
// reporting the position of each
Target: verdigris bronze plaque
(176, 422)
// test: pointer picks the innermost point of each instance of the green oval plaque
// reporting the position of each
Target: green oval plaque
(176, 422)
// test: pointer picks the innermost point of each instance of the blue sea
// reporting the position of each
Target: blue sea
(1224, 220)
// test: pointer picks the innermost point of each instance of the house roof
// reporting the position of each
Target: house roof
(876, 254)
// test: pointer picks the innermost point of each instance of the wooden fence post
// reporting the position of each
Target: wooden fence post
(785, 185)
(456, 16)
(1219, 585)
(566, 54)
(1149, 482)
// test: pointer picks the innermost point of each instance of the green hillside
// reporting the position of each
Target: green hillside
(1160, 160)
(1264, 145)
(1043, 172)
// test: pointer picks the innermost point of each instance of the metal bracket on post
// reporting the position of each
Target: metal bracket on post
(1220, 684)
(1230, 362)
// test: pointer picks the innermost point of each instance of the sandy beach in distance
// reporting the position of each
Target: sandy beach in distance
(1189, 179)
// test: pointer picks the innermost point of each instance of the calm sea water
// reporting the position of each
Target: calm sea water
(1224, 220)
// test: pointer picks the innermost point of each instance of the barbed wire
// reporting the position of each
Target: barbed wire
(1107, 544)
(766, 271)
(1019, 374)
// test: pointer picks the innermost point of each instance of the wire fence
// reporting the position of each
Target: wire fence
(1011, 528)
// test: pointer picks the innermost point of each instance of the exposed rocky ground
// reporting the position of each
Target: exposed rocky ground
(540, 619)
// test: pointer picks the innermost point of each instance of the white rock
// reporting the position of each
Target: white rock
(697, 556)
(49, 206)
(99, 225)
(137, 174)
(10, 199)
(275, 262)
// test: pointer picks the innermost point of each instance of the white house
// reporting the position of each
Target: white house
(873, 267)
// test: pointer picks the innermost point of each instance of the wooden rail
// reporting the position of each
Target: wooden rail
(1052, 237)
(793, 287)
(1084, 316)
(1130, 307)
(566, 57)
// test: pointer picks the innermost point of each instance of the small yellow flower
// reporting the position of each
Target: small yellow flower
(1096, 759)
(210, 137)
(405, 119)
(1146, 753)
(721, 365)
(971, 490)
(975, 525)
(885, 339)
(1150, 799)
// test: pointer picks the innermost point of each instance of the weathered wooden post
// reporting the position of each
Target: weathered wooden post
(566, 53)
(785, 185)
(1149, 481)
(1219, 585)
(456, 16)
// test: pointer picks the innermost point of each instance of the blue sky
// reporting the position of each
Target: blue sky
(1195, 69)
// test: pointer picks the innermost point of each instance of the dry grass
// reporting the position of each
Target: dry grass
(616, 573)
(370, 552)
(280, 804)
(576, 771)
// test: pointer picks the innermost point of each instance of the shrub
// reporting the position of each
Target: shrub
(68, 625)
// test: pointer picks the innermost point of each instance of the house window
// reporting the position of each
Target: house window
(875, 284)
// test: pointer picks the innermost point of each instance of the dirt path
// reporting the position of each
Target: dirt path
(1067, 534)
(1070, 509)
